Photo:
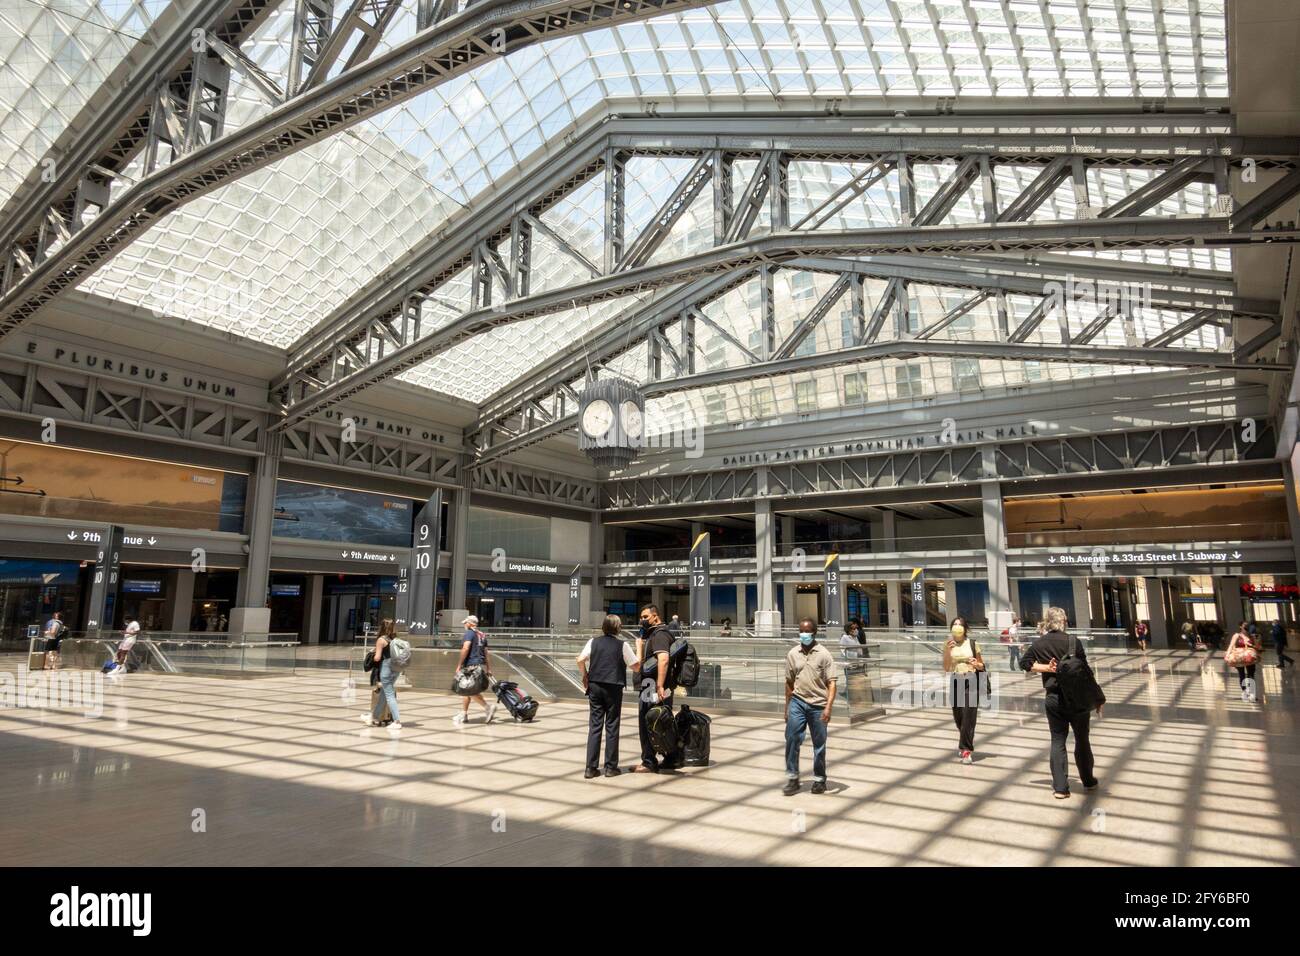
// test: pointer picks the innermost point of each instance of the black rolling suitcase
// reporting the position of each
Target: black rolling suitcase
(693, 736)
(520, 705)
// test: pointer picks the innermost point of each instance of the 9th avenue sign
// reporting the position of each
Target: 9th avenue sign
(1101, 556)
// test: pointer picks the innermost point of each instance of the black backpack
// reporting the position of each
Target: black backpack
(693, 734)
(662, 728)
(1077, 683)
(683, 665)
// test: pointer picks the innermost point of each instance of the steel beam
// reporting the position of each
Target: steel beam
(442, 52)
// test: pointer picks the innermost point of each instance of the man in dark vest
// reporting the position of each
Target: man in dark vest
(603, 665)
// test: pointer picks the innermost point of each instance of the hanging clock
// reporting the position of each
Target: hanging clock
(611, 422)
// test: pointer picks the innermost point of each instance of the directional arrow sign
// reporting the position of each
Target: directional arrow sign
(72, 536)
(152, 539)
(1236, 554)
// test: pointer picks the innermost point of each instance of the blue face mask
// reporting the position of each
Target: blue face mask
(805, 638)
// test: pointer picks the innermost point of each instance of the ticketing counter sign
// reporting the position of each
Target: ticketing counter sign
(575, 596)
(834, 593)
(421, 577)
(918, 598)
(103, 585)
(701, 592)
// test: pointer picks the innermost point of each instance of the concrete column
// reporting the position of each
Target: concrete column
(252, 614)
(894, 598)
(657, 597)
(949, 598)
(180, 600)
(313, 601)
(890, 541)
(1227, 591)
(1292, 504)
(995, 549)
(742, 619)
(1156, 608)
(1082, 603)
(595, 555)
(789, 591)
(1096, 604)
(458, 544)
(767, 619)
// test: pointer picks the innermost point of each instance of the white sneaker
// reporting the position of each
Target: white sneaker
(367, 718)
(491, 711)
(395, 725)
(458, 720)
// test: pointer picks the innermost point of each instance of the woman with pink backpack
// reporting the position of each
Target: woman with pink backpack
(1243, 654)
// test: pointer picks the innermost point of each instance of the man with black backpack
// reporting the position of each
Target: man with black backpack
(653, 650)
(1070, 693)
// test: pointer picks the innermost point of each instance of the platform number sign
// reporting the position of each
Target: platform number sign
(700, 591)
(575, 596)
(918, 597)
(833, 593)
(422, 576)
(103, 584)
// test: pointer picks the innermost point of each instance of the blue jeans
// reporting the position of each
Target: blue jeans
(387, 678)
(803, 715)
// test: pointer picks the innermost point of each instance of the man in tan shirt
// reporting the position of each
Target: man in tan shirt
(809, 694)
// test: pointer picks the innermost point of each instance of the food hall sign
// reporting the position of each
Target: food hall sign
(931, 439)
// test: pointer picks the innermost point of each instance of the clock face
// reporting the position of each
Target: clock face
(598, 418)
(633, 421)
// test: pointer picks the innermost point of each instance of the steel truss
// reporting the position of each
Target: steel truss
(518, 481)
(381, 333)
(55, 246)
(937, 466)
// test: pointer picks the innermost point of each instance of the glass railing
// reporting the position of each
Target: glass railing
(899, 545)
(716, 551)
(213, 655)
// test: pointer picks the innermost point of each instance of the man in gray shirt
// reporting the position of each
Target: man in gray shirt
(809, 694)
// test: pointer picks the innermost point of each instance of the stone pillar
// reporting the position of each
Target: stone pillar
(789, 591)
(1227, 592)
(180, 600)
(767, 619)
(1082, 604)
(458, 544)
(995, 547)
(890, 538)
(949, 598)
(252, 614)
(1156, 608)
(596, 556)
(313, 602)
(742, 620)
(894, 598)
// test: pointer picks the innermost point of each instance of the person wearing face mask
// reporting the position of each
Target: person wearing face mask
(654, 644)
(963, 663)
(809, 695)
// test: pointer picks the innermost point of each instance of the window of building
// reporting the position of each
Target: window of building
(762, 402)
(520, 535)
(855, 388)
(805, 396)
(965, 374)
(907, 379)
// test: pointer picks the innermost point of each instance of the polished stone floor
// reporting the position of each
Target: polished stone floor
(190, 770)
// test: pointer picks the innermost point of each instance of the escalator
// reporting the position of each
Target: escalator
(550, 679)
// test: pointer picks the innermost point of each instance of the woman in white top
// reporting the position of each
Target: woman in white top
(850, 642)
(963, 662)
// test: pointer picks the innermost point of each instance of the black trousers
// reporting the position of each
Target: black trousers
(1243, 673)
(648, 757)
(1061, 723)
(964, 695)
(606, 702)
